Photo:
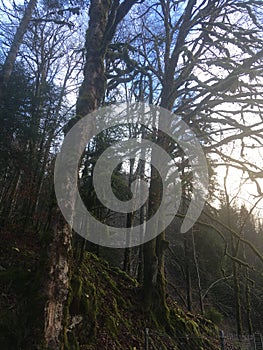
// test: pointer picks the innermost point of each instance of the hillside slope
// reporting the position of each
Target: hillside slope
(105, 309)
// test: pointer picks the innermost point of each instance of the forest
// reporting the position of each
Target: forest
(131, 173)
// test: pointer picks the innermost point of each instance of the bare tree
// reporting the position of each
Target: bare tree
(205, 59)
(13, 51)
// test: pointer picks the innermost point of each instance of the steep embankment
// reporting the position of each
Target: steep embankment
(104, 311)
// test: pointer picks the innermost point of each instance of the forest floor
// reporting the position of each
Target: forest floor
(105, 308)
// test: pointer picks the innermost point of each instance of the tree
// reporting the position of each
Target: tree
(13, 51)
(33, 129)
(104, 18)
(201, 57)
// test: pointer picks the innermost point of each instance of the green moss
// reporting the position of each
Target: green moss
(71, 342)
(214, 315)
(76, 287)
(112, 324)
(120, 273)
(193, 331)
(115, 308)
(89, 305)
(109, 306)
(110, 281)
(82, 303)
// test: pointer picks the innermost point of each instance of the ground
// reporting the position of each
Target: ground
(104, 311)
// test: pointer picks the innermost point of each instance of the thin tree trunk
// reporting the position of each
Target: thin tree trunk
(143, 215)
(237, 299)
(127, 251)
(197, 273)
(12, 54)
(188, 278)
(248, 304)
(10, 197)
(60, 254)
(247, 295)
(235, 267)
(129, 221)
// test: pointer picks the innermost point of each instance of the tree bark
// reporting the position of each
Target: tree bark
(58, 282)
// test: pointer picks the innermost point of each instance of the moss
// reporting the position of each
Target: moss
(214, 315)
(89, 305)
(76, 287)
(193, 331)
(93, 256)
(97, 287)
(82, 303)
(109, 306)
(115, 308)
(112, 324)
(120, 273)
(110, 281)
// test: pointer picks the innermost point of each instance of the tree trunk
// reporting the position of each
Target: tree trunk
(58, 283)
(10, 196)
(12, 54)
(248, 304)
(154, 286)
(154, 250)
(104, 18)
(188, 278)
(237, 299)
(128, 251)
(129, 221)
(197, 273)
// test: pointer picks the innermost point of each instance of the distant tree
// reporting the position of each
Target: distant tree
(14, 113)
(9, 62)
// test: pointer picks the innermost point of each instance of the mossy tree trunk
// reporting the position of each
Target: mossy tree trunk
(154, 278)
(104, 18)
(154, 285)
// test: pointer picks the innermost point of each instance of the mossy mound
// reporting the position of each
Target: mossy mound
(106, 311)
